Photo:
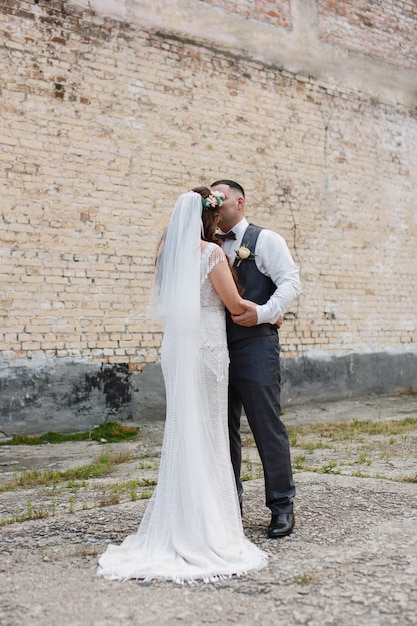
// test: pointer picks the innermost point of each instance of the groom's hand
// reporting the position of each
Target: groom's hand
(249, 317)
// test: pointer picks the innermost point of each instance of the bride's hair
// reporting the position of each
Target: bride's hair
(209, 216)
(209, 219)
(186, 218)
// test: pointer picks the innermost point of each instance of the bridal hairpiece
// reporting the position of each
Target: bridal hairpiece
(214, 200)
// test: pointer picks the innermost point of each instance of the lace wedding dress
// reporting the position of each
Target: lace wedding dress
(192, 526)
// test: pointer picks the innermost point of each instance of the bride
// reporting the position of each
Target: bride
(192, 527)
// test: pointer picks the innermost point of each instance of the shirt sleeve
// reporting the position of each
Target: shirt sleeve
(274, 259)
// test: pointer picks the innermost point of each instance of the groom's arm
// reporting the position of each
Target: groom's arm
(273, 259)
(250, 316)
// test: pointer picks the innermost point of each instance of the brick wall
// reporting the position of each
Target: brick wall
(277, 13)
(104, 123)
(385, 30)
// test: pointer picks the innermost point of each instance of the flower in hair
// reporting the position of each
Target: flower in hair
(214, 200)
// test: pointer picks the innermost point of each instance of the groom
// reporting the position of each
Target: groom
(267, 275)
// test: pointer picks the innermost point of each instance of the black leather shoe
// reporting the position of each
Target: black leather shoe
(281, 525)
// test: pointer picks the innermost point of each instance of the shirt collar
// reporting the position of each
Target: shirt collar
(238, 228)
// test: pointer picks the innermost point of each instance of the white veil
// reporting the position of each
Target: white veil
(175, 299)
(176, 304)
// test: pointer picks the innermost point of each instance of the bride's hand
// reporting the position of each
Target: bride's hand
(249, 317)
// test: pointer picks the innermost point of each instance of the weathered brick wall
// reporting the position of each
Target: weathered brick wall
(277, 13)
(75, 258)
(385, 30)
(105, 120)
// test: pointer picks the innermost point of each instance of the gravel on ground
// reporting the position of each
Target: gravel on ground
(352, 558)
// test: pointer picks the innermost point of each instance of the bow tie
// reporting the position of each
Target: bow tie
(229, 235)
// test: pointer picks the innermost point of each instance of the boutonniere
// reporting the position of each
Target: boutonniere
(244, 254)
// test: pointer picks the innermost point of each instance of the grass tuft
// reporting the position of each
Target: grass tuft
(100, 467)
(111, 433)
(342, 431)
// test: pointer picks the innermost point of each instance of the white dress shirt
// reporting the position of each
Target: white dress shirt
(272, 258)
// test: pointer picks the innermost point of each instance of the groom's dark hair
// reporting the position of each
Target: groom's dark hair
(231, 183)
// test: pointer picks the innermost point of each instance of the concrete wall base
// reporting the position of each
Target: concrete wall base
(70, 396)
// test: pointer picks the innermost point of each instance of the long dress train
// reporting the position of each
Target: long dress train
(192, 527)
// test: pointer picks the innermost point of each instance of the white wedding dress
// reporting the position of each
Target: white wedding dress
(192, 526)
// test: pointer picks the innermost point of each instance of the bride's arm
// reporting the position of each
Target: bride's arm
(224, 284)
(222, 280)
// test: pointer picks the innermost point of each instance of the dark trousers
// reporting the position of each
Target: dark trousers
(255, 384)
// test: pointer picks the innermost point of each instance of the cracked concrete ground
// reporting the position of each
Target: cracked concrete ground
(352, 558)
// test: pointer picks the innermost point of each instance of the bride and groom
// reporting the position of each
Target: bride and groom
(214, 365)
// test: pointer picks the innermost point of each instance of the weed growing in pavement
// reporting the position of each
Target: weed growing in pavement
(106, 433)
(109, 500)
(248, 473)
(29, 513)
(54, 489)
(111, 492)
(409, 479)
(355, 443)
(75, 486)
(252, 469)
(146, 466)
(342, 431)
(299, 462)
(303, 579)
(310, 446)
(327, 468)
(364, 459)
(32, 478)
(359, 474)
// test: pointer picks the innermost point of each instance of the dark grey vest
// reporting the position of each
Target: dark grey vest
(254, 286)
